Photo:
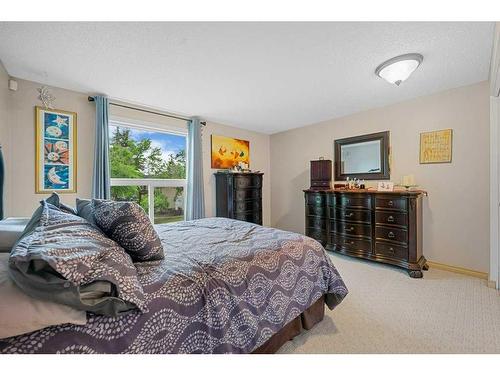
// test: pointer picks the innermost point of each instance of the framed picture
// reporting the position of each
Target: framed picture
(436, 146)
(55, 168)
(229, 152)
(385, 186)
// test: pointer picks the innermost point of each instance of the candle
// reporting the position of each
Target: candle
(408, 180)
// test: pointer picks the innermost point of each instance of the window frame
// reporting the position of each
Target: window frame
(151, 183)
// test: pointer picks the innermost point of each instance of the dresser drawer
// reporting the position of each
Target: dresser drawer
(391, 218)
(350, 244)
(316, 222)
(352, 201)
(391, 251)
(391, 203)
(250, 181)
(391, 234)
(247, 194)
(322, 184)
(318, 235)
(249, 216)
(247, 205)
(359, 216)
(352, 229)
(315, 198)
(315, 210)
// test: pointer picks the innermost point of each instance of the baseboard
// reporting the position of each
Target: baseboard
(492, 284)
(464, 271)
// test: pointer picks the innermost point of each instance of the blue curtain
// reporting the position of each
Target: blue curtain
(101, 175)
(195, 201)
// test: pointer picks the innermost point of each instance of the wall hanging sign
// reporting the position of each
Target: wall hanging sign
(436, 146)
(55, 151)
(229, 152)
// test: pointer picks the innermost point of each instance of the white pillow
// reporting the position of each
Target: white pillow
(10, 231)
(21, 313)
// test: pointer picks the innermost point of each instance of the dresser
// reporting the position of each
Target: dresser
(239, 196)
(384, 227)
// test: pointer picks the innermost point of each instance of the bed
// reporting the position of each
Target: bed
(225, 286)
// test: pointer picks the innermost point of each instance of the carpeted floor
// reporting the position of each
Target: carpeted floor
(388, 312)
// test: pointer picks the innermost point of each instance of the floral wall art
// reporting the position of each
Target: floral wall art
(55, 151)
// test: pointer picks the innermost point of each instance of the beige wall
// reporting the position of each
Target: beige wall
(456, 212)
(4, 129)
(21, 145)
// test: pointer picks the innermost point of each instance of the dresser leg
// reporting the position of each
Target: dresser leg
(415, 274)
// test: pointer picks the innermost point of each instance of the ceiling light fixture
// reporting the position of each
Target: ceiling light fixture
(399, 68)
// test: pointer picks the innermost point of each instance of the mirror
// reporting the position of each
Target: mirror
(364, 157)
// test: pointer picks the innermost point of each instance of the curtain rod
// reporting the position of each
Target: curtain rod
(91, 99)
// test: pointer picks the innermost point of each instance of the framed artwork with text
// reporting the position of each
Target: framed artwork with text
(436, 146)
(55, 154)
(385, 186)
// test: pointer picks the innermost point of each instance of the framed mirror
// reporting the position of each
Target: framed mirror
(365, 157)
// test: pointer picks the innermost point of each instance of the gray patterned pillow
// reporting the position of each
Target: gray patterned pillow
(35, 218)
(68, 261)
(84, 209)
(128, 224)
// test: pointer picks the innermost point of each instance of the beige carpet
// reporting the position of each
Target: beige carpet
(388, 312)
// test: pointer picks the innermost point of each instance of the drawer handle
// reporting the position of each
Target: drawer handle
(346, 242)
(390, 235)
(349, 229)
(350, 215)
(318, 199)
(390, 203)
(391, 250)
(390, 219)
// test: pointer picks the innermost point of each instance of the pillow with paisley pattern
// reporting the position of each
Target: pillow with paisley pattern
(129, 225)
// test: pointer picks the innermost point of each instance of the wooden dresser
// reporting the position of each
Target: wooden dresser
(239, 196)
(382, 226)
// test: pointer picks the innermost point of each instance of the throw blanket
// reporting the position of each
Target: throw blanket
(225, 286)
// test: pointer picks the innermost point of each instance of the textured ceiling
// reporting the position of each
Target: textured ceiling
(266, 77)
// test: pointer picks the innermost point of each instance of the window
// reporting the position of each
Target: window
(148, 166)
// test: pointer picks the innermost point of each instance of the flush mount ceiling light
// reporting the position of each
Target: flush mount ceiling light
(399, 68)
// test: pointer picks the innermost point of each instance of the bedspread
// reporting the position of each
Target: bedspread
(225, 286)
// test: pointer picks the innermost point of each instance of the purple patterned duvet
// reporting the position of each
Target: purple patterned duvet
(225, 286)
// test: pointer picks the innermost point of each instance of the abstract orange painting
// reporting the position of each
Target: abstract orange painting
(228, 152)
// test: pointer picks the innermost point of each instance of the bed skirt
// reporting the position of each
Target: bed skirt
(308, 319)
